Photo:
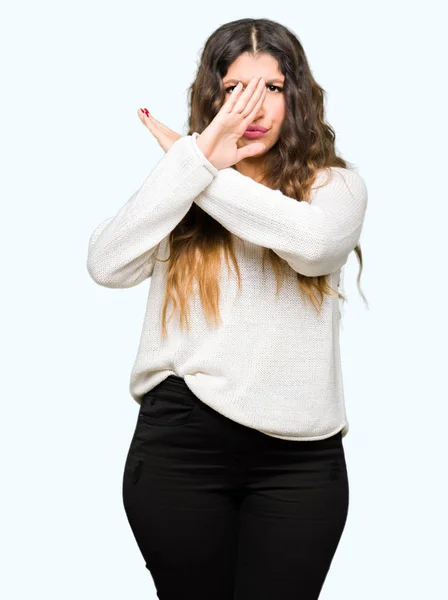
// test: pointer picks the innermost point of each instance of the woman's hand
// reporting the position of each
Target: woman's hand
(218, 141)
(163, 134)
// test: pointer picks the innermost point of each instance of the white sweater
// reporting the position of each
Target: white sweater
(274, 364)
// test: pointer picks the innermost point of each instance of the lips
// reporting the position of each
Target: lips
(257, 128)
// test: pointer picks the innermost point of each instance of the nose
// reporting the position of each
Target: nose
(260, 113)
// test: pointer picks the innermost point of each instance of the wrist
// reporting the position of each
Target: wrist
(203, 147)
(204, 151)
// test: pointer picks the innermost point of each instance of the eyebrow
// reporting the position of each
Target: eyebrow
(268, 82)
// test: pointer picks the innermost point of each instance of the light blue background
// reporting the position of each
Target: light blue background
(73, 151)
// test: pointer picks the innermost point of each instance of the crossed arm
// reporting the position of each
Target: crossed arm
(314, 238)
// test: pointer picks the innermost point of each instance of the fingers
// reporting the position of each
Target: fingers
(152, 123)
(249, 150)
(231, 100)
(254, 105)
(163, 134)
(250, 96)
(238, 94)
(148, 120)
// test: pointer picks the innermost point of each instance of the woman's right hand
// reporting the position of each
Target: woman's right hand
(218, 141)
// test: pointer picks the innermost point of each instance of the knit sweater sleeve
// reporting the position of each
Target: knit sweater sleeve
(122, 249)
(314, 238)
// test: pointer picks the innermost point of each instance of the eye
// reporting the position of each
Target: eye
(230, 88)
(280, 89)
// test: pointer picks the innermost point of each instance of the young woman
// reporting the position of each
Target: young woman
(235, 484)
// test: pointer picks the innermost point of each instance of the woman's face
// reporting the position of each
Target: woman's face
(272, 112)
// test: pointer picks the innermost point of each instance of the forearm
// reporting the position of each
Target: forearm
(314, 238)
(121, 248)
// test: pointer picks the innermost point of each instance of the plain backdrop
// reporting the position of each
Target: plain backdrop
(73, 151)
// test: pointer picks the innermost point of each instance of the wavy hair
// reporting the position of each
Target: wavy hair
(306, 145)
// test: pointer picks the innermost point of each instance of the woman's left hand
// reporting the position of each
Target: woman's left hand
(163, 134)
(218, 141)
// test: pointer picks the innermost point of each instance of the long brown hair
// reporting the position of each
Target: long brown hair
(306, 145)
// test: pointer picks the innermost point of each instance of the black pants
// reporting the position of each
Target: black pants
(221, 511)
